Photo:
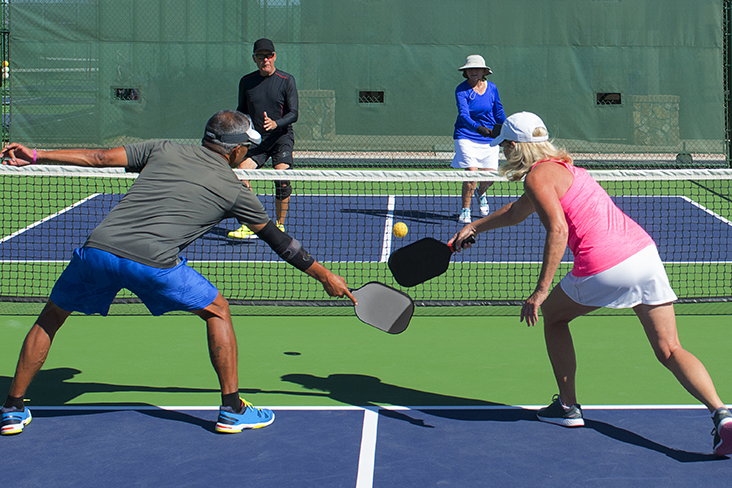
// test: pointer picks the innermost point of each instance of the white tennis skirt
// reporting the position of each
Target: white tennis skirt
(639, 279)
(469, 154)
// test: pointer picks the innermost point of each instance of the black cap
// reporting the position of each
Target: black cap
(263, 45)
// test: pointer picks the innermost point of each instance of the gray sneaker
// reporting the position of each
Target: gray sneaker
(558, 413)
(722, 432)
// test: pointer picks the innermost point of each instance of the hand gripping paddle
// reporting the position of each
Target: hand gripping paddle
(421, 261)
(383, 307)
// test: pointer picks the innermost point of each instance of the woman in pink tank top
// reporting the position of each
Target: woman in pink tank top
(616, 264)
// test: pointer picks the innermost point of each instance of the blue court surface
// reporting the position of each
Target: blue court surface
(674, 222)
(355, 447)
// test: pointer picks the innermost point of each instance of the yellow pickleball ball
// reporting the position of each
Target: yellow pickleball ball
(400, 229)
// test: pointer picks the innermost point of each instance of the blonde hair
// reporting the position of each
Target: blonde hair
(525, 154)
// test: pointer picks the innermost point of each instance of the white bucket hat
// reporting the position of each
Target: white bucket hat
(520, 127)
(475, 61)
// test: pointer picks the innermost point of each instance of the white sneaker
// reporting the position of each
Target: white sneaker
(465, 217)
(484, 208)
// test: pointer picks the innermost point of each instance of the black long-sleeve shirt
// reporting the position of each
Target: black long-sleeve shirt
(275, 94)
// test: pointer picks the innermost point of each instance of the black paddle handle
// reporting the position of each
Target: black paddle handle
(470, 240)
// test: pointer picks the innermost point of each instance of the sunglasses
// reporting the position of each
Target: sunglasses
(262, 57)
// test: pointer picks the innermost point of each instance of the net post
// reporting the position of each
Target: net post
(727, 22)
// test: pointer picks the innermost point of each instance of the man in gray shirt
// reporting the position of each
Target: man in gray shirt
(136, 247)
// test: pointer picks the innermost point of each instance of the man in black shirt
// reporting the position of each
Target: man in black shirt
(137, 244)
(269, 97)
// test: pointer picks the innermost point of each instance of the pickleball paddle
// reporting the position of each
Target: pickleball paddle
(421, 261)
(383, 307)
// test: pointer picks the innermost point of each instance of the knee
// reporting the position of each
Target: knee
(283, 190)
(222, 304)
(51, 319)
(665, 352)
(219, 308)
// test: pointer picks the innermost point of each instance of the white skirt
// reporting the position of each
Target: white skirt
(469, 154)
(639, 279)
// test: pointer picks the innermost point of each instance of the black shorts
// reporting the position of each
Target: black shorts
(280, 150)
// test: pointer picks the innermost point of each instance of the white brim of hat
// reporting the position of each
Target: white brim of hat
(502, 138)
(497, 141)
(254, 136)
(467, 66)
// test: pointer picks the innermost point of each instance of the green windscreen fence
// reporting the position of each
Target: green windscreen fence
(635, 77)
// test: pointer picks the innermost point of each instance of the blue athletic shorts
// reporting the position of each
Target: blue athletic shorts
(94, 277)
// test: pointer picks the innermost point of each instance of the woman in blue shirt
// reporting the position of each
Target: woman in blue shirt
(479, 112)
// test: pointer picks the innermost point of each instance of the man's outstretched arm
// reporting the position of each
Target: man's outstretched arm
(15, 154)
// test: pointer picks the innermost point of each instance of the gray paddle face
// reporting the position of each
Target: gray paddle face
(383, 307)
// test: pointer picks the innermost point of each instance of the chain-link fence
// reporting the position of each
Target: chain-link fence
(640, 83)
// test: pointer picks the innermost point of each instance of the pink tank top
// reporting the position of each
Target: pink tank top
(600, 234)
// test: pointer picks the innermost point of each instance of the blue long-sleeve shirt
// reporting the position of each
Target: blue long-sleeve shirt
(477, 110)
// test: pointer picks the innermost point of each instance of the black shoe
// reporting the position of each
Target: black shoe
(558, 413)
(722, 432)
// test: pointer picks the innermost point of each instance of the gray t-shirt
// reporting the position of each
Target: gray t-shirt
(181, 193)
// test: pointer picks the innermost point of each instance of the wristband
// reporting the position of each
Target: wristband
(35, 157)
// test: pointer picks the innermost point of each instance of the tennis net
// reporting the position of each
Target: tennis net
(345, 219)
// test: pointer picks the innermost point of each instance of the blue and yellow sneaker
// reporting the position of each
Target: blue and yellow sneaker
(241, 234)
(14, 420)
(249, 417)
(244, 233)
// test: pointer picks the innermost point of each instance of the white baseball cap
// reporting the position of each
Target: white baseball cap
(520, 127)
(475, 61)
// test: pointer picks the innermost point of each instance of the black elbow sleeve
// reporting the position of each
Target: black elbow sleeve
(286, 247)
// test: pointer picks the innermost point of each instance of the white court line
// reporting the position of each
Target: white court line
(702, 207)
(24, 229)
(326, 408)
(367, 456)
(388, 223)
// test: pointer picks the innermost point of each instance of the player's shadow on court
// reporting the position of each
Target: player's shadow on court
(369, 391)
(629, 437)
(52, 387)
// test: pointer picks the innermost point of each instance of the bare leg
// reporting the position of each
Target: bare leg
(558, 310)
(468, 189)
(659, 322)
(281, 207)
(222, 347)
(36, 346)
(484, 185)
